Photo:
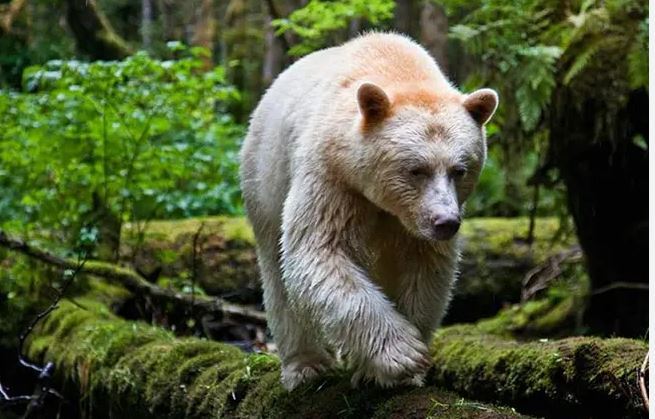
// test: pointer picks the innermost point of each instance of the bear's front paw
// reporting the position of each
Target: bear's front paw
(401, 361)
(303, 369)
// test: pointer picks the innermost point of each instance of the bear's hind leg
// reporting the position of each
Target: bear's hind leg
(300, 349)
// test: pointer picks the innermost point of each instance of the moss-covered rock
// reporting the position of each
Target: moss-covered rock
(118, 368)
(573, 377)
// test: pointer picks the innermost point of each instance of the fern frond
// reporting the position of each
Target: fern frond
(582, 60)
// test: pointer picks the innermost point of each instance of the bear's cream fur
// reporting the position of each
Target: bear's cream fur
(354, 172)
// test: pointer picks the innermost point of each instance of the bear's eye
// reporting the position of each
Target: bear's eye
(419, 172)
(458, 172)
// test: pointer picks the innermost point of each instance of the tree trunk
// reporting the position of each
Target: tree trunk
(109, 228)
(606, 176)
(205, 30)
(407, 17)
(275, 55)
(146, 24)
(138, 371)
(434, 32)
(93, 33)
(578, 377)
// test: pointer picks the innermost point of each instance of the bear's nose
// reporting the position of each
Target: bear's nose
(446, 227)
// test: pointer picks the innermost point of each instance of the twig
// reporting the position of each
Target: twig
(194, 261)
(533, 214)
(60, 293)
(622, 285)
(540, 276)
(43, 385)
(136, 284)
(642, 382)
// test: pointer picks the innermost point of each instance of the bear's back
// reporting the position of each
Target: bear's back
(317, 95)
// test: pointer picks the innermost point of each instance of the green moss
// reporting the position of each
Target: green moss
(231, 228)
(496, 258)
(546, 317)
(421, 403)
(225, 260)
(569, 377)
(507, 237)
(132, 370)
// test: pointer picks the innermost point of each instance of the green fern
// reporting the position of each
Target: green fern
(638, 59)
(582, 60)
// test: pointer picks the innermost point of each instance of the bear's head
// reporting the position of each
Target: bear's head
(420, 153)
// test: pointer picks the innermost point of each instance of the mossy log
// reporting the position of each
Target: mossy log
(133, 370)
(118, 368)
(574, 377)
(129, 279)
(494, 262)
(224, 262)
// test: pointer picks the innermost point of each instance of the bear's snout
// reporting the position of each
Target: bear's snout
(445, 227)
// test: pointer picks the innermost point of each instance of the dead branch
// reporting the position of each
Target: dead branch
(201, 305)
(621, 285)
(642, 382)
(540, 276)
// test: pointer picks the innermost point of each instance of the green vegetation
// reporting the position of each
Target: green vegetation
(114, 114)
(133, 370)
(572, 377)
(86, 147)
(319, 21)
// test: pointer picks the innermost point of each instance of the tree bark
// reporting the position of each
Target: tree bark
(407, 17)
(274, 59)
(135, 370)
(93, 33)
(136, 284)
(205, 30)
(146, 24)
(434, 32)
(606, 176)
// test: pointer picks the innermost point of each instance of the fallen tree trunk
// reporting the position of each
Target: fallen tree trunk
(496, 257)
(134, 370)
(573, 377)
(129, 279)
(118, 368)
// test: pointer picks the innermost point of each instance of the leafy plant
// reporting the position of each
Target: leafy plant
(89, 142)
(319, 19)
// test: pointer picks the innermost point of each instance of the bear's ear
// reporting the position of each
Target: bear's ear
(373, 103)
(481, 104)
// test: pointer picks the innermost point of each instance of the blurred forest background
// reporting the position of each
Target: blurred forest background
(121, 121)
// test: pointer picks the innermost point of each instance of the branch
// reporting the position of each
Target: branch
(136, 284)
(93, 32)
(642, 382)
(539, 277)
(621, 285)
